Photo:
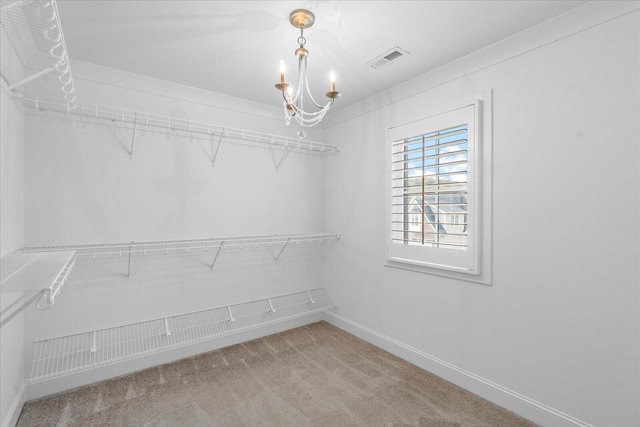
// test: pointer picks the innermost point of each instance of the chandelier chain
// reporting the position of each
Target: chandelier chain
(301, 40)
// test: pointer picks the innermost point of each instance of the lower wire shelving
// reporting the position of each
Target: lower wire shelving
(72, 354)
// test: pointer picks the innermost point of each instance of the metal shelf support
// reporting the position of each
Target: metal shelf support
(278, 162)
(129, 263)
(30, 78)
(94, 346)
(214, 154)
(277, 257)
(133, 136)
(167, 332)
(217, 253)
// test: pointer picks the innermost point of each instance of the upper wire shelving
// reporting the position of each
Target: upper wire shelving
(215, 132)
(32, 33)
(31, 29)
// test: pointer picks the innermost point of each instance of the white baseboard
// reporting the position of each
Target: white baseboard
(11, 418)
(495, 393)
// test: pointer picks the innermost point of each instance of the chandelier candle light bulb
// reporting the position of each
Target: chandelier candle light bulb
(288, 105)
(283, 69)
(293, 101)
(283, 85)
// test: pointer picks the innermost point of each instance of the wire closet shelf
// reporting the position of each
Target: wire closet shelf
(168, 246)
(138, 118)
(31, 30)
(32, 277)
(277, 243)
(72, 354)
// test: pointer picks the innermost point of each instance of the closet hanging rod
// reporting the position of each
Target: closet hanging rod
(187, 245)
(172, 123)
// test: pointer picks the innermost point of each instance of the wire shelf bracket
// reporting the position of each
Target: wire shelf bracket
(277, 257)
(133, 136)
(26, 80)
(63, 356)
(215, 258)
(278, 162)
(214, 153)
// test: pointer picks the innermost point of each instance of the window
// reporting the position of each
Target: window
(430, 179)
(433, 198)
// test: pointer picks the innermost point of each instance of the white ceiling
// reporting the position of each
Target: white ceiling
(233, 47)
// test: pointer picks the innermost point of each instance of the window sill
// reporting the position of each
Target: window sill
(480, 278)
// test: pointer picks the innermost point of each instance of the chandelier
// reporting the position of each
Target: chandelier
(294, 102)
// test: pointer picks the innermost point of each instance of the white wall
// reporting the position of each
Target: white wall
(11, 238)
(12, 218)
(82, 187)
(556, 335)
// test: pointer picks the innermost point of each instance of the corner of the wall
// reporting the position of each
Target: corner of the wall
(12, 415)
(530, 409)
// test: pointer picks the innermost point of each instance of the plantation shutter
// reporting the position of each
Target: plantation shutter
(433, 195)
(429, 189)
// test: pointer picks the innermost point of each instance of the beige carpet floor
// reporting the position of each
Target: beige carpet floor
(316, 375)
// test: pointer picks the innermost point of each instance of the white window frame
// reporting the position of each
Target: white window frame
(473, 263)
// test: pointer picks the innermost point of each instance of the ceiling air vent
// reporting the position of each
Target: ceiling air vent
(387, 58)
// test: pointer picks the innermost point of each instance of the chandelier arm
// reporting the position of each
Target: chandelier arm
(287, 115)
(302, 84)
(302, 70)
(306, 82)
